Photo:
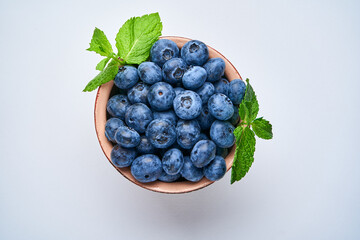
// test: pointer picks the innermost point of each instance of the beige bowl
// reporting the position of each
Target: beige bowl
(102, 97)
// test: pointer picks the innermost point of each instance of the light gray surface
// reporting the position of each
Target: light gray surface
(303, 60)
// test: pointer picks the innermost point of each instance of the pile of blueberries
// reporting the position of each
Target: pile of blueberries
(172, 118)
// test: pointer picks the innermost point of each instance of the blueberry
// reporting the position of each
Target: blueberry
(117, 105)
(235, 117)
(194, 77)
(188, 133)
(202, 153)
(172, 161)
(187, 105)
(222, 86)
(205, 119)
(138, 116)
(111, 126)
(215, 68)
(220, 106)
(146, 168)
(222, 152)
(127, 77)
(163, 50)
(222, 133)
(178, 90)
(145, 146)
(122, 157)
(127, 137)
(138, 93)
(164, 177)
(195, 53)
(176, 145)
(149, 72)
(168, 115)
(203, 137)
(237, 89)
(161, 133)
(173, 70)
(161, 96)
(216, 169)
(206, 91)
(190, 172)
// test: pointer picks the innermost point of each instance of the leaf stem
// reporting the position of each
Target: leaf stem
(122, 62)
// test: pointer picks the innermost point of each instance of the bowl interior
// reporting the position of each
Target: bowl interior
(103, 94)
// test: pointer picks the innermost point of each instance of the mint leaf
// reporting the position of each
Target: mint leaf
(262, 128)
(101, 65)
(245, 137)
(100, 44)
(244, 154)
(238, 131)
(242, 111)
(238, 134)
(105, 76)
(136, 37)
(251, 103)
(249, 106)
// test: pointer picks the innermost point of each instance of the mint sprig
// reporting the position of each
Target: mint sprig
(101, 65)
(136, 37)
(133, 42)
(245, 136)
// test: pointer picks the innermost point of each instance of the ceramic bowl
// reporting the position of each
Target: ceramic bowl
(103, 94)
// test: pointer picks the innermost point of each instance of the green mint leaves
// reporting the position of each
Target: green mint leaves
(262, 128)
(245, 137)
(136, 37)
(101, 65)
(104, 76)
(100, 44)
(133, 43)
(244, 153)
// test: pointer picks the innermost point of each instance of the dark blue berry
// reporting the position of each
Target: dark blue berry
(146, 168)
(138, 116)
(149, 72)
(168, 115)
(216, 169)
(117, 106)
(220, 106)
(111, 126)
(164, 177)
(188, 133)
(215, 68)
(138, 93)
(205, 119)
(222, 133)
(237, 89)
(206, 91)
(161, 133)
(187, 105)
(172, 161)
(122, 157)
(127, 137)
(195, 53)
(202, 153)
(161, 96)
(194, 78)
(163, 50)
(145, 146)
(222, 86)
(127, 77)
(173, 70)
(190, 172)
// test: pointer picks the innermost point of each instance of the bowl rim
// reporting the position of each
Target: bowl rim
(103, 93)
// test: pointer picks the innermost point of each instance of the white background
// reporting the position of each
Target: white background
(303, 61)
